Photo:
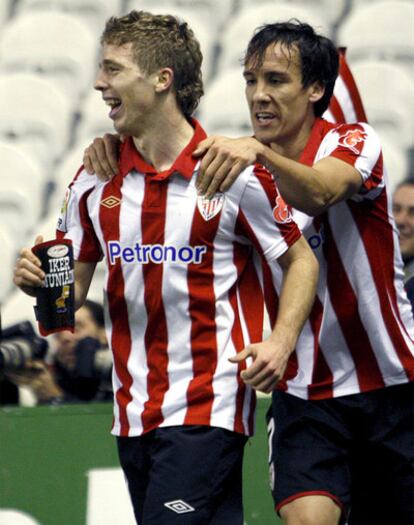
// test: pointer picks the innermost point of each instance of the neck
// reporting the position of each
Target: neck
(161, 143)
(293, 145)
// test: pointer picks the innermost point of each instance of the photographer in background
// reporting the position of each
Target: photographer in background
(83, 361)
(20, 349)
(81, 364)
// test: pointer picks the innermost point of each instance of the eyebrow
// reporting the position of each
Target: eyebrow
(109, 62)
(268, 72)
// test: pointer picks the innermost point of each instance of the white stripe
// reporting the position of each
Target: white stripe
(179, 218)
(132, 196)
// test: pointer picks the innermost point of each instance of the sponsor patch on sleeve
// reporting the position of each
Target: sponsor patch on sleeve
(62, 221)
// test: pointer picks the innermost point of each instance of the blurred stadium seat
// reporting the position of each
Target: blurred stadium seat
(9, 252)
(195, 19)
(17, 307)
(213, 12)
(241, 27)
(60, 46)
(93, 12)
(5, 11)
(396, 162)
(327, 9)
(223, 109)
(387, 92)
(35, 115)
(64, 174)
(380, 30)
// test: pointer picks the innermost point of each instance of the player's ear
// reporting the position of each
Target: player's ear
(316, 91)
(164, 79)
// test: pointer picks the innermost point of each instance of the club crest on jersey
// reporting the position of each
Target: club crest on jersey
(209, 208)
(281, 212)
(351, 138)
(111, 202)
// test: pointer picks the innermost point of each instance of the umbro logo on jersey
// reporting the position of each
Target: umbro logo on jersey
(111, 202)
(209, 208)
(351, 138)
(179, 506)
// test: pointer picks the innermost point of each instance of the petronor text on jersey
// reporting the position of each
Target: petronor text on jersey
(154, 253)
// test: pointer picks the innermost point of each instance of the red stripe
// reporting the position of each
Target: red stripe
(288, 230)
(118, 311)
(376, 177)
(271, 299)
(345, 304)
(311, 493)
(202, 311)
(156, 335)
(336, 110)
(90, 249)
(322, 377)
(377, 236)
(251, 300)
(349, 81)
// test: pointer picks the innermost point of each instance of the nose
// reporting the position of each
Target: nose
(260, 93)
(100, 81)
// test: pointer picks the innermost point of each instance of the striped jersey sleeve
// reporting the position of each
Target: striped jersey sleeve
(74, 222)
(264, 218)
(357, 145)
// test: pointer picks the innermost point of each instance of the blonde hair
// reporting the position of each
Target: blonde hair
(162, 41)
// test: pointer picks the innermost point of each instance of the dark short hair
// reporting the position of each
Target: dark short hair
(408, 181)
(162, 41)
(96, 311)
(318, 56)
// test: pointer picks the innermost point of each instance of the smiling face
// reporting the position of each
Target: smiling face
(281, 108)
(126, 89)
(403, 209)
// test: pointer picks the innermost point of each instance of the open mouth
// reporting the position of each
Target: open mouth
(264, 117)
(115, 104)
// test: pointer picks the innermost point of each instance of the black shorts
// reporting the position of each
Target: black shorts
(357, 449)
(187, 475)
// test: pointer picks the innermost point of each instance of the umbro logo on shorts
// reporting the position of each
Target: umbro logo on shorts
(179, 506)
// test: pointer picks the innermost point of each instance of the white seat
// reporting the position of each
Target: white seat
(380, 30)
(22, 169)
(396, 162)
(65, 173)
(223, 109)
(22, 189)
(16, 308)
(35, 115)
(241, 28)
(57, 45)
(93, 12)
(329, 10)
(5, 11)
(387, 92)
(204, 33)
(213, 12)
(94, 120)
(8, 259)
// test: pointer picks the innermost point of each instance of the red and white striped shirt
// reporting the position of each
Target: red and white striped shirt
(179, 271)
(359, 336)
